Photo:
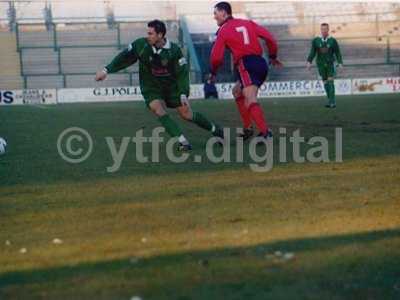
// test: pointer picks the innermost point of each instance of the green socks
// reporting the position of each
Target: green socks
(330, 91)
(170, 126)
(201, 121)
(174, 130)
(332, 99)
(326, 87)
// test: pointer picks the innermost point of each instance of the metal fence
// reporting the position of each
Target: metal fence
(65, 55)
(59, 52)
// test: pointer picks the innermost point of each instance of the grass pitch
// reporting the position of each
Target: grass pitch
(201, 231)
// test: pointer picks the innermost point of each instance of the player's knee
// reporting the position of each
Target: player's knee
(185, 113)
(157, 109)
(250, 91)
(236, 92)
(250, 98)
(250, 101)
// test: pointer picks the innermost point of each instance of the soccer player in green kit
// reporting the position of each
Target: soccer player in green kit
(326, 48)
(164, 78)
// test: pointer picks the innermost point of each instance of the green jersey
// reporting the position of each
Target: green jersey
(159, 69)
(326, 50)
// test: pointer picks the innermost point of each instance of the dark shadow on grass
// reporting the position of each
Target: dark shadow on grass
(232, 273)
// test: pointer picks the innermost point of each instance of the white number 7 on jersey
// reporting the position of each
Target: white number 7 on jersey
(243, 30)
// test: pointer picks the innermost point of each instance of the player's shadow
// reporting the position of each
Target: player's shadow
(341, 266)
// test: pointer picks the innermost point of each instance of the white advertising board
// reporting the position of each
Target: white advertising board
(376, 85)
(28, 96)
(103, 94)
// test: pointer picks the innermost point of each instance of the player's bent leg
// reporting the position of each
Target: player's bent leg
(255, 110)
(242, 107)
(171, 127)
(185, 111)
(250, 93)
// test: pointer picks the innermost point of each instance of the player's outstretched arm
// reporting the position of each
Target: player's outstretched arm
(101, 75)
(271, 42)
(268, 38)
(276, 62)
(311, 55)
(123, 60)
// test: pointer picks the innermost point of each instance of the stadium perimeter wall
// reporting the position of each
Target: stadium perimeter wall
(275, 89)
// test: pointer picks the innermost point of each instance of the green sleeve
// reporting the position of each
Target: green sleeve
(124, 59)
(338, 53)
(313, 52)
(182, 73)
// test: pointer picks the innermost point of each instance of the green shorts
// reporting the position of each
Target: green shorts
(326, 71)
(158, 91)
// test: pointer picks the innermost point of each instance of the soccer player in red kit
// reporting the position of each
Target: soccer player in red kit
(241, 38)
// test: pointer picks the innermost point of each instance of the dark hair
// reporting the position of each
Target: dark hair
(159, 26)
(224, 6)
(325, 24)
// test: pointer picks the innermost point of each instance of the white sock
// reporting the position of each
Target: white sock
(182, 139)
(213, 128)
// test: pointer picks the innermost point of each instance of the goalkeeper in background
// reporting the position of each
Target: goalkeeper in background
(326, 48)
(164, 79)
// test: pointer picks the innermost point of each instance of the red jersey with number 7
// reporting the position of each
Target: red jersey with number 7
(241, 38)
